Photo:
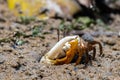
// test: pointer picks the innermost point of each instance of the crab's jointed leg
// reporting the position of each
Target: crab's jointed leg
(91, 47)
(94, 52)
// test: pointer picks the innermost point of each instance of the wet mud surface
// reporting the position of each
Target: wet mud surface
(21, 51)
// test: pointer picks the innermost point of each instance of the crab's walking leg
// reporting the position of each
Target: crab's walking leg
(90, 59)
(100, 46)
(81, 50)
(94, 52)
(79, 56)
(91, 47)
(87, 58)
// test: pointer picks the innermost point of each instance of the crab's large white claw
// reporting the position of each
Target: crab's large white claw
(57, 50)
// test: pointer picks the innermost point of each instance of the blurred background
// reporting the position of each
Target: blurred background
(44, 9)
(28, 30)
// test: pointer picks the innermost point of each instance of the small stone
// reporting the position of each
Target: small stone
(109, 33)
(87, 37)
(119, 34)
(2, 19)
(73, 73)
(97, 33)
(91, 75)
(75, 68)
(109, 41)
(2, 58)
(116, 47)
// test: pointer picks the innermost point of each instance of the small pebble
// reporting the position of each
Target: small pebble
(109, 33)
(2, 58)
(2, 19)
(97, 33)
(109, 41)
(87, 37)
(116, 47)
(75, 68)
(119, 34)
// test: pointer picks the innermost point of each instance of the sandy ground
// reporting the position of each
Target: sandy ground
(20, 55)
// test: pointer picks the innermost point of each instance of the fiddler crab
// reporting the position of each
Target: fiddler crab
(65, 50)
